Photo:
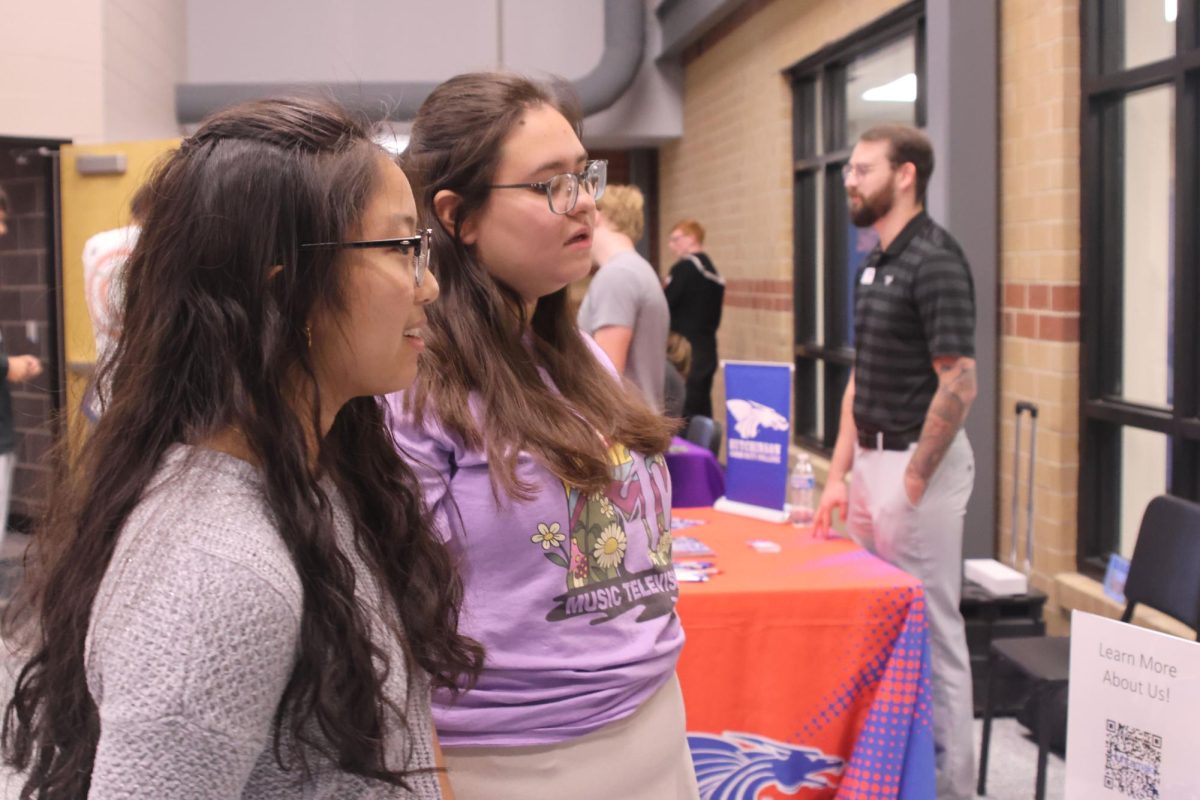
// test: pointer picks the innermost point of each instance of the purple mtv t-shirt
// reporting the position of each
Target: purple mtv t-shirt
(573, 595)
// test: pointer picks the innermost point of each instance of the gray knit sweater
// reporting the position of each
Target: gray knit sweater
(193, 638)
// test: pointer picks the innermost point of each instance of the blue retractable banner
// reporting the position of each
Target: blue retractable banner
(758, 425)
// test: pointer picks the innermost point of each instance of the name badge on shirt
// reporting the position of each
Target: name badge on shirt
(868, 276)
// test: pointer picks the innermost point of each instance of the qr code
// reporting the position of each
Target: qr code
(1132, 758)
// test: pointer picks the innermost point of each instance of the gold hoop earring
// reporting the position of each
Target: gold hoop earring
(308, 335)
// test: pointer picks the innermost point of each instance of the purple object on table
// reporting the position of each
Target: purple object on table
(697, 479)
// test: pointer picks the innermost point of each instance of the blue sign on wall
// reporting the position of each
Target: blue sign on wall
(758, 424)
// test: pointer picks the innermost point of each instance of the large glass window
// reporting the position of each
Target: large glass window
(1148, 175)
(1146, 472)
(881, 86)
(1144, 31)
(1140, 353)
(872, 77)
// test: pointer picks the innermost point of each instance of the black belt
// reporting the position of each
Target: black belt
(882, 440)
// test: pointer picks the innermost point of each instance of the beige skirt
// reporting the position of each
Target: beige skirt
(642, 757)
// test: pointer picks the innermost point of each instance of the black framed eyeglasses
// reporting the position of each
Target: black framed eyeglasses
(562, 191)
(418, 245)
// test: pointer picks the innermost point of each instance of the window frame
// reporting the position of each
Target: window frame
(1103, 417)
(821, 78)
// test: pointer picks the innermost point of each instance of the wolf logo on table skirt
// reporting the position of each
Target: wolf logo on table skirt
(737, 766)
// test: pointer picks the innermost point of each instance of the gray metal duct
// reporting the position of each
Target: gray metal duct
(624, 45)
(683, 22)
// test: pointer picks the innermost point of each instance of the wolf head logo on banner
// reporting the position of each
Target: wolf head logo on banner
(758, 419)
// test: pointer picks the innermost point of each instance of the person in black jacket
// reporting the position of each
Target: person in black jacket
(13, 369)
(695, 293)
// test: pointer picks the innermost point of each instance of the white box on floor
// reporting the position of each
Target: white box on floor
(998, 579)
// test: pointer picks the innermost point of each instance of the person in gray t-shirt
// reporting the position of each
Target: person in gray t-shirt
(625, 309)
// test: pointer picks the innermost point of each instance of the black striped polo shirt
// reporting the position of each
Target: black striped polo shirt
(913, 302)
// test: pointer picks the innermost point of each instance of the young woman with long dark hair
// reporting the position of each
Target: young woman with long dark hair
(236, 593)
(544, 473)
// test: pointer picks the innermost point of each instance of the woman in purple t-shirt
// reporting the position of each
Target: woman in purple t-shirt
(544, 474)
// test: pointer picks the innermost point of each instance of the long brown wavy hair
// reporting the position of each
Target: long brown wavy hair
(481, 339)
(214, 338)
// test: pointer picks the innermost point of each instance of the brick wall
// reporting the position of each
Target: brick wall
(25, 303)
(732, 169)
(1039, 218)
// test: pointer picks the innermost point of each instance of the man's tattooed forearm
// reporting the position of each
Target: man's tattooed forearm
(947, 411)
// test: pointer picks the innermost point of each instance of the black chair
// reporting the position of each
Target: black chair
(1164, 574)
(704, 431)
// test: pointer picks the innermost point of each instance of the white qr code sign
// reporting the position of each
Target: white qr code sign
(1134, 699)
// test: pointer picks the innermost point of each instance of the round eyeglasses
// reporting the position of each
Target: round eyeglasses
(562, 191)
(418, 246)
(859, 171)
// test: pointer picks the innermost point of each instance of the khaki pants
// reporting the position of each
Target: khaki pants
(926, 542)
(642, 757)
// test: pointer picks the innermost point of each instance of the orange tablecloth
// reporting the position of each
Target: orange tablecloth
(805, 671)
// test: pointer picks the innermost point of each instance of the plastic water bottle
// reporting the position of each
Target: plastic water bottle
(802, 485)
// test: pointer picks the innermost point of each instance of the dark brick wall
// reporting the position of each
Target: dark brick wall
(28, 310)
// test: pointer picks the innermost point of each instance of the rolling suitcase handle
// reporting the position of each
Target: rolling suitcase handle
(1020, 410)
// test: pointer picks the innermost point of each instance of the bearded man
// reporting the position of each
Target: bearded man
(902, 414)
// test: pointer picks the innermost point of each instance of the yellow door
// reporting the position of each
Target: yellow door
(92, 203)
